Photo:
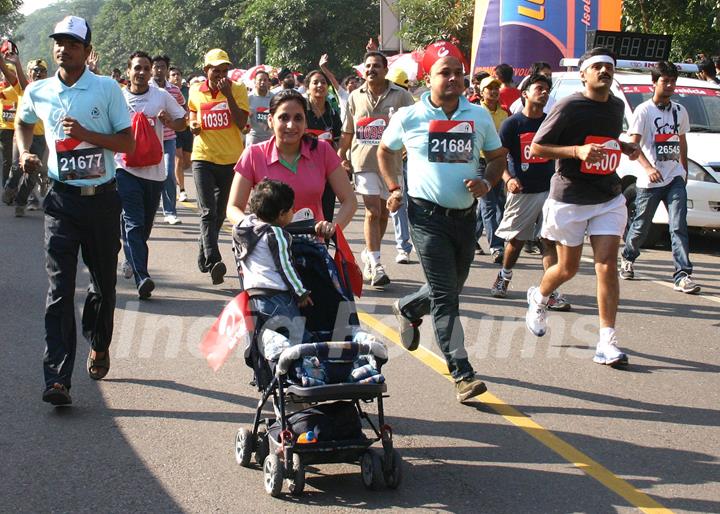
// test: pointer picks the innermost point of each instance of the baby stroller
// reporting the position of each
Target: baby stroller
(316, 379)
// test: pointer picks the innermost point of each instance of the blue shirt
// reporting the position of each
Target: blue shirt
(95, 102)
(440, 182)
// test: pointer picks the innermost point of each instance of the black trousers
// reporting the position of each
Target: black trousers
(90, 224)
(212, 182)
(6, 148)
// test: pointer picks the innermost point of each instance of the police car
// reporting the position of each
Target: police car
(632, 84)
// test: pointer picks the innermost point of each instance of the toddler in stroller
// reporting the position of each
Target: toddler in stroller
(307, 352)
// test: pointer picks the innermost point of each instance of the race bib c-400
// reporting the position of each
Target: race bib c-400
(215, 116)
(78, 160)
(369, 131)
(450, 141)
(611, 156)
(667, 147)
(526, 156)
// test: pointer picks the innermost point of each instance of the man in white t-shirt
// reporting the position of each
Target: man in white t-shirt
(659, 125)
(141, 176)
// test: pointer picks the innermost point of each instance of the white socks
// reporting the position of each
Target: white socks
(539, 298)
(506, 274)
(374, 257)
(607, 334)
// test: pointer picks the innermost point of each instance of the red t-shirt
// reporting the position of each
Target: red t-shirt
(508, 95)
(261, 161)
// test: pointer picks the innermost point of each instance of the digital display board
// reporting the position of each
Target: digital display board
(631, 45)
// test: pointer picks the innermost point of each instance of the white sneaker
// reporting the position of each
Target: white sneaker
(379, 277)
(685, 284)
(536, 313)
(183, 196)
(609, 354)
(127, 270)
(171, 219)
(367, 267)
(402, 257)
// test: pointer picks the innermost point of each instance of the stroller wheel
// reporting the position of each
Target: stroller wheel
(243, 447)
(263, 448)
(392, 471)
(273, 475)
(371, 470)
(296, 482)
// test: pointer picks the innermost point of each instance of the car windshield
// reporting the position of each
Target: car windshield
(702, 104)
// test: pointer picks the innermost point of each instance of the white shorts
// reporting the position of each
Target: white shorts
(370, 183)
(521, 212)
(567, 223)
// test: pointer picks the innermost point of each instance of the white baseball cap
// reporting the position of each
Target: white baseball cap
(74, 27)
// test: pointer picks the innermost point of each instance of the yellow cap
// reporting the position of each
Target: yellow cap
(216, 57)
(399, 77)
(35, 63)
(489, 81)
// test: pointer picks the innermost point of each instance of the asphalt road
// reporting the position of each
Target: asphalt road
(555, 433)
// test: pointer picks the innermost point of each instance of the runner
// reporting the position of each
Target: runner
(141, 179)
(491, 206)
(10, 89)
(508, 92)
(86, 120)
(183, 139)
(585, 195)
(528, 181)
(538, 67)
(259, 104)
(443, 135)
(218, 113)
(160, 66)
(659, 125)
(369, 109)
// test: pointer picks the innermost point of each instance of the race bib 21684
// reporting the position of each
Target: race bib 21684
(451, 141)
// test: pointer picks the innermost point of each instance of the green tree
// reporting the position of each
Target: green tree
(297, 32)
(10, 16)
(428, 21)
(692, 23)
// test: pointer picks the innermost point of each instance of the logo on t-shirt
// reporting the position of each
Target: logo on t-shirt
(611, 156)
(450, 141)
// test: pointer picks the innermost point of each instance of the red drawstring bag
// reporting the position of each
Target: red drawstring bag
(234, 326)
(350, 273)
(148, 148)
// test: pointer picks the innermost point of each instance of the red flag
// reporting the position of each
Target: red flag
(345, 261)
(234, 326)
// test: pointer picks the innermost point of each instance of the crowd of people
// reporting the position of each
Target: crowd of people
(446, 160)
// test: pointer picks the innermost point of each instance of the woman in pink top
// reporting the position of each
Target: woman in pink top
(302, 162)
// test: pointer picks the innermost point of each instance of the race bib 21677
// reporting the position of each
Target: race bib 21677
(78, 160)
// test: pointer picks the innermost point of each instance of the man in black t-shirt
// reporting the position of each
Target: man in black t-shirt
(527, 179)
(582, 132)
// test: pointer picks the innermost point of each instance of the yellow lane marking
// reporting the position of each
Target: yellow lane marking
(568, 452)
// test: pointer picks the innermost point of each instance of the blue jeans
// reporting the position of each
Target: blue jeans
(674, 196)
(400, 220)
(140, 199)
(490, 210)
(169, 189)
(445, 252)
(280, 312)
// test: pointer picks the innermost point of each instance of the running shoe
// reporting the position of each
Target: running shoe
(468, 388)
(685, 284)
(379, 277)
(171, 219)
(217, 273)
(409, 332)
(479, 250)
(145, 288)
(609, 354)
(402, 257)
(127, 270)
(497, 256)
(557, 302)
(499, 287)
(535, 318)
(627, 271)
(367, 267)
(183, 197)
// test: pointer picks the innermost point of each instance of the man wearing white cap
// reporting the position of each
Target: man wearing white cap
(219, 111)
(86, 121)
(582, 132)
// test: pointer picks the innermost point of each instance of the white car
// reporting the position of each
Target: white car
(702, 101)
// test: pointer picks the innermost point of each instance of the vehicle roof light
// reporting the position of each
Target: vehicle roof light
(634, 65)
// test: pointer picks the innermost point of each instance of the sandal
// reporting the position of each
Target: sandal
(57, 395)
(100, 365)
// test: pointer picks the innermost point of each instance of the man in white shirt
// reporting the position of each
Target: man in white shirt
(660, 125)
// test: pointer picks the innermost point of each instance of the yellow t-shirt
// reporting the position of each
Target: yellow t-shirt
(38, 128)
(9, 96)
(220, 140)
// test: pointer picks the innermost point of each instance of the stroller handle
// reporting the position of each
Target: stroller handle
(301, 227)
(333, 350)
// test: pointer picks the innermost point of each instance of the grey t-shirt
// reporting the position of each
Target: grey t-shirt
(577, 120)
(257, 118)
